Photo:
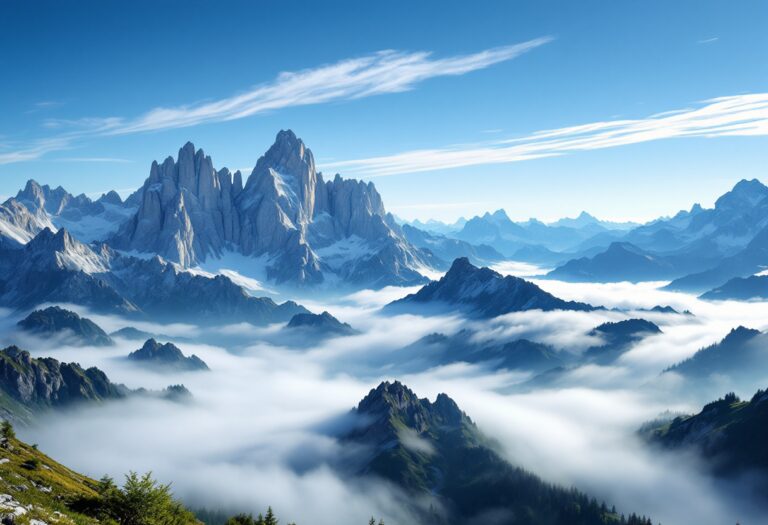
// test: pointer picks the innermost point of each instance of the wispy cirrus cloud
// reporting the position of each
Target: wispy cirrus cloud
(739, 115)
(376, 74)
(93, 159)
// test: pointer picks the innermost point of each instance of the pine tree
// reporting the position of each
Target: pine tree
(6, 429)
(269, 518)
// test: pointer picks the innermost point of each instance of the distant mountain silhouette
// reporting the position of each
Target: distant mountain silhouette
(620, 262)
(481, 292)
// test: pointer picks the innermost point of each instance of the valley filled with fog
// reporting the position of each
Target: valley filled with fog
(264, 421)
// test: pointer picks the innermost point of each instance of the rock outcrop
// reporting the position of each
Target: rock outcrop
(319, 325)
(56, 321)
(166, 356)
(48, 382)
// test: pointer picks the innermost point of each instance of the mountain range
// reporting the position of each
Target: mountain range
(55, 267)
(285, 224)
(739, 356)
(698, 249)
(293, 226)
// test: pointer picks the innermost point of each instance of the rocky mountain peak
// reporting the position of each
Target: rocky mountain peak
(47, 239)
(740, 334)
(483, 292)
(111, 197)
(745, 194)
(461, 266)
(388, 397)
(287, 171)
(190, 212)
(166, 355)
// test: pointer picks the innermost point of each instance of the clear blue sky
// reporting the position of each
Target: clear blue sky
(81, 78)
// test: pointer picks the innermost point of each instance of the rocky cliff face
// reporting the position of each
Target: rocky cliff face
(186, 210)
(48, 382)
(307, 227)
(18, 225)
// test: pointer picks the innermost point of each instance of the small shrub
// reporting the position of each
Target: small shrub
(31, 464)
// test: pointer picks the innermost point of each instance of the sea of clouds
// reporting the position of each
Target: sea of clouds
(260, 428)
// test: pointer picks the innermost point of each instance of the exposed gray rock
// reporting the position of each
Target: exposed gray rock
(166, 356)
(307, 227)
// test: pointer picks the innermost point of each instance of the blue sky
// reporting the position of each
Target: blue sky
(423, 98)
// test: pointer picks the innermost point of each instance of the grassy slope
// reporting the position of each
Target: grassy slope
(46, 488)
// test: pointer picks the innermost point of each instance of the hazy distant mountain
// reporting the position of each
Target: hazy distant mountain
(620, 262)
(306, 229)
(707, 246)
(585, 220)
(481, 292)
(447, 249)
(58, 268)
(134, 334)
(751, 260)
(618, 337)
(433, 226)
(729, 433)
(741, 356)
(58, 321)
(753, 288)
(737, 217)
(451, 472)
(533, 240)
(318, 325)
(466, 346)
(166, 356)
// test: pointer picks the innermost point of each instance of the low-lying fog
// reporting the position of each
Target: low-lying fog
(256, 433)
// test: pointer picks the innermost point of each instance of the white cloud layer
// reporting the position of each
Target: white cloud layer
(257, 433)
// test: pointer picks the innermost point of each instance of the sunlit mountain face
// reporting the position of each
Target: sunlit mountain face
(388, 264)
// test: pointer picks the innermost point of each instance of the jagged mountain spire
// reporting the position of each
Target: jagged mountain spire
(285, 210)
